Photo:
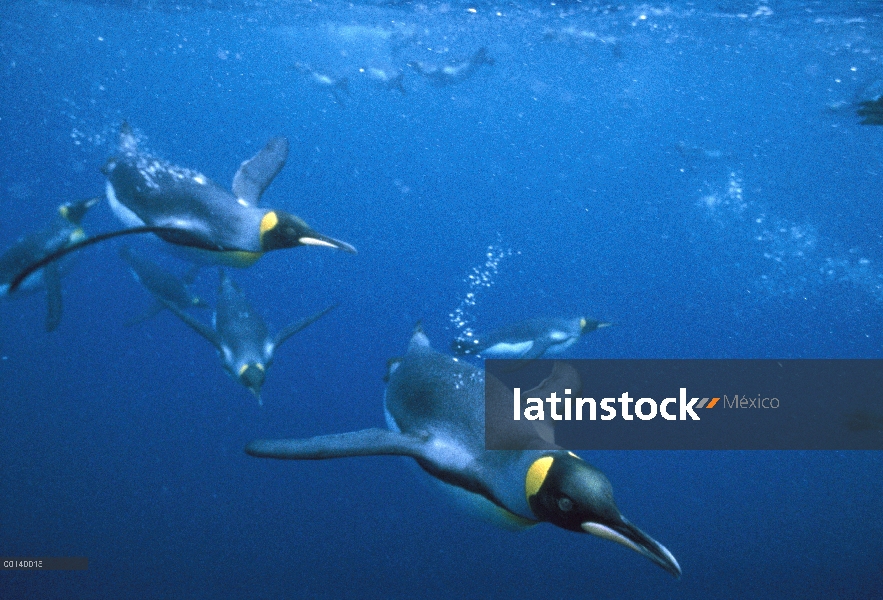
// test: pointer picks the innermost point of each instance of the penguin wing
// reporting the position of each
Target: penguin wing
(563, 377)
(150, 312)
(255, 174)
(296, 327)
(52, 281)
(201, 328)
(367, 442)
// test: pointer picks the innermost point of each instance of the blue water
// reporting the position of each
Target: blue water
(692, 172)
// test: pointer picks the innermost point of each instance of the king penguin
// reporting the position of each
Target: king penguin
(240, 335)
(64, 232)
(435, 412)
(527, 340)
(144, 190)
(455, 72)
(165, 287)
(187, 209)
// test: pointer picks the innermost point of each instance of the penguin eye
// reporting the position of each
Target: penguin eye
(565, 503)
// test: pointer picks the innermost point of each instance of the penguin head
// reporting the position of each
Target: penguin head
(588, 325)
(283, 230)
(75, 211)
(566, 491)
(252, 375)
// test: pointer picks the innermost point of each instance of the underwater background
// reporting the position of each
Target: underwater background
(693, 172)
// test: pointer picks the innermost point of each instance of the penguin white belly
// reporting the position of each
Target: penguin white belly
(508, 349)
(559, 347)
(128, 218)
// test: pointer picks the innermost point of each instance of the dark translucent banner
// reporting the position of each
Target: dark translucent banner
(44, 563)
(684, 404)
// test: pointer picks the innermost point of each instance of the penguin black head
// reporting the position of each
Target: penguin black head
(75, 211)
(252, 376)
(283, 230)
(588, 325)
(568, 492)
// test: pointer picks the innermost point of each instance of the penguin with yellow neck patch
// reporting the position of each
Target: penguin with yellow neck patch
(527, 340)
(186, 208)
(64, 232)
(230, 227)
(435, 412)
(240, 335)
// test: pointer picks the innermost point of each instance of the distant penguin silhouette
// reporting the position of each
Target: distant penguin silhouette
(64, 232)
(387, 79)
(240, 335)
(165, 287)
(435, 409)
(442, 75)
(186, 208)
(527, 340)
(338, 86)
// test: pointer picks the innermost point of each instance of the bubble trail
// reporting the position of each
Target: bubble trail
(481, 277)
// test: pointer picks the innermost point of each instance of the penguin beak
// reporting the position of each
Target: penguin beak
(589, 326)
(631, 537)
(317, 239)
(284, 230)
(252, 377)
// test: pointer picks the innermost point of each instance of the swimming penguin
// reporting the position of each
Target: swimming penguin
(389, 80)
(582, 39)
(335, 85)
(529, 339)
(64, 232)
(435, 412)
(452, 73)
(162, 285)
(186, 208)
(240, 335)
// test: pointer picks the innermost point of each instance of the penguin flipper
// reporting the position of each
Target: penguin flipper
(256, 173)
(563, 377)
(151, 311)
(367, 442)
(296, 327)
(52, 280)
(201, 328)
(190, 276)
